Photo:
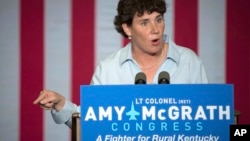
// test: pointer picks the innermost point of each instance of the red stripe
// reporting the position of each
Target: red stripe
(186, 23)
(125, 41)
(82, 45)
(31, 77)
(238, 52)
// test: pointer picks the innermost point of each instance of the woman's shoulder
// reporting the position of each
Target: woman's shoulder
(114, 58)
(187, 53)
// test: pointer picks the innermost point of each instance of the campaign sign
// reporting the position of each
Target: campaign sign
(175, 112)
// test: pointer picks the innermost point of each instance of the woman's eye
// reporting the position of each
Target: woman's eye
(144, 23)
(160, 20)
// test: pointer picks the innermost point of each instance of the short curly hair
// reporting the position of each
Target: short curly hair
(126, 10)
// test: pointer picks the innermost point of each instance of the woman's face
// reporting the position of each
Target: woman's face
(147, 32)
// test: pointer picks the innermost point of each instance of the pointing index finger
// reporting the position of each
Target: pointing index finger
(39, 98)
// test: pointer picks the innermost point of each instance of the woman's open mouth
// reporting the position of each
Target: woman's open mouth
(156, 42)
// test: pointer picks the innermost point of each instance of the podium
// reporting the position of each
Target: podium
(106, 111)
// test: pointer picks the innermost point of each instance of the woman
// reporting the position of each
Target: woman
(149, 51)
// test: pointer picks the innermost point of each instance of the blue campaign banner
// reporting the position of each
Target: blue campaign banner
(175, 112)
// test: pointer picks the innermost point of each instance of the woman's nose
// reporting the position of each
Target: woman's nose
(154, 28)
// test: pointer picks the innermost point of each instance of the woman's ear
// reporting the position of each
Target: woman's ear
(126, 29)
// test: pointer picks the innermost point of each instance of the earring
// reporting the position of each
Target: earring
(129, 37)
